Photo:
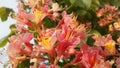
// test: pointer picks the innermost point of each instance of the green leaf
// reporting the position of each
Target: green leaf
(36, 34)
(3, 41)
(74, 66)
(96, 2)
(87, 3)
(115, 3)
(78, 47)
(62, 62)
(90, 40)
(13, 30)
(4, 13)
(81, 12)
(13, 27)
(24, 64)
(115, 34)
(49, 23)
(31, 29)
(80, 4)
(72, 1)
(77, 3)
(95, 31)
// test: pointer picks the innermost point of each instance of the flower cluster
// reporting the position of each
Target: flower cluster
(109, 15)
(46, 36)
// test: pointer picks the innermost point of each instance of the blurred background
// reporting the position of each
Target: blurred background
(4, 28)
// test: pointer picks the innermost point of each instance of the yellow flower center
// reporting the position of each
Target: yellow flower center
(38, 15)
(46, 43)
(110, 46)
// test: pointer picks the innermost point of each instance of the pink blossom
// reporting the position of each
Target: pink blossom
(103, 64)
(26, 37)
(42, 66)
(20, 45)
(21, 27)
(62, 46)
(101, 40)
(117, 62)
(46, 1)
(45, 8)
(106, 42)
(87, 57)
(53, 66)
(24, 17)
(66, 19)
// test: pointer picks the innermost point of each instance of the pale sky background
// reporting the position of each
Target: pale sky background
(4, 26)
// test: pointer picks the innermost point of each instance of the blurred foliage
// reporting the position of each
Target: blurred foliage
(49, 23)
(24, 64)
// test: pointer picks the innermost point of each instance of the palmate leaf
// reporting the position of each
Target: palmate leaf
(4, 13)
